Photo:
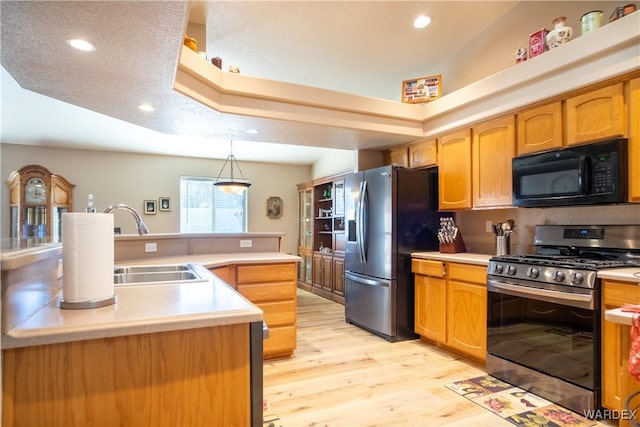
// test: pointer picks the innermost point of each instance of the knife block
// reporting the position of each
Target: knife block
(453, 248)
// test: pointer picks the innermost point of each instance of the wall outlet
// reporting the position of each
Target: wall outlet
(150, 247)
(488, 227)
(246, 243)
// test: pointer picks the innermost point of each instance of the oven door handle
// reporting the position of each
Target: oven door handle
(567, 298)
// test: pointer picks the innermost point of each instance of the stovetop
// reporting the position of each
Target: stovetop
(567, 261)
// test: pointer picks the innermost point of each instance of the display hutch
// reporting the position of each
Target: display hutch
(321, 237)
(37, 200)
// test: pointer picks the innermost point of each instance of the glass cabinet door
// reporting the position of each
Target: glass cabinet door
(304, 215)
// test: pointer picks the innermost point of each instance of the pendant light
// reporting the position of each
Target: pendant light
(232, 185)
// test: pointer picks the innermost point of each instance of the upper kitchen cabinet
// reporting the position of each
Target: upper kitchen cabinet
(540, 129)
(634, 140)
(397, 156)
(493, 147)
(595, 115)
(37, 200)
(423, 153)
(454, 170)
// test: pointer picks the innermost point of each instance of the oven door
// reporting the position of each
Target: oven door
(549, 331)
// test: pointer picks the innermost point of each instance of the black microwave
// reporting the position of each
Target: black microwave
(581, 175)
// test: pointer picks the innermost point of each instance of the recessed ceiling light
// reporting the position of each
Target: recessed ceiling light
(421, 21)
(81, 45)
(146, 107)
(252, 131)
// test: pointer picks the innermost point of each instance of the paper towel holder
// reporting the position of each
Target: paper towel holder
(81, 305)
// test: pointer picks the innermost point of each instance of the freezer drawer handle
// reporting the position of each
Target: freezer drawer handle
(366, 281)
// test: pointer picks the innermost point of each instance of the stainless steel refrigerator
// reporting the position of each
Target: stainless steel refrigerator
(390, 212)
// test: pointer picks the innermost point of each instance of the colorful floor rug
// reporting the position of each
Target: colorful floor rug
(515, 405)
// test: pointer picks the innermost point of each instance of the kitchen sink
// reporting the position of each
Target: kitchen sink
(151, 269)
(156, 274)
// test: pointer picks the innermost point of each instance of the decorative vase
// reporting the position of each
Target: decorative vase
(560, 33)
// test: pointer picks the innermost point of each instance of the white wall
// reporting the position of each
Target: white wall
(132, 178)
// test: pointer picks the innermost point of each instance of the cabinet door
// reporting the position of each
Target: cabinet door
(467, 318)
(423, 153)
(327, 273)
(398, 156)
(540, 129)
(617, 384)
(317, 270)
(305, 224)
(454, 177)
(634, 140)
(338, 276)
(430, 307)
(493, 148)
(596, 115)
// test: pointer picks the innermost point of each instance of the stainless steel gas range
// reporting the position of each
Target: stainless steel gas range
(544, 311)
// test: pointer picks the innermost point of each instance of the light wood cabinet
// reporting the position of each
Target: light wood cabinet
(595, 115)
(634, 139)
(451, 305)
(423, 153)
(180, 377)
(617, 384)
(493, 147)
(397, 156)
(540, 129)
(272, 287)
(37, 200)
(454, 171)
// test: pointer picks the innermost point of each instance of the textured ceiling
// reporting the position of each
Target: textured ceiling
(89, 100)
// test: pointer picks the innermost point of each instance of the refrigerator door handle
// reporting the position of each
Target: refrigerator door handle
(365, 280)
(362, 226)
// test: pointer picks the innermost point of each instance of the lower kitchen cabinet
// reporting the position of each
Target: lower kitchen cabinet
(328, 276)
(272, 287)
(617, 384)
(451, 305)
(338, 277)
(183, 377)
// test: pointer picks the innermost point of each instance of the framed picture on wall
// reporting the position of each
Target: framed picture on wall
(274, 207)
(165, 204)
(423, 89)
(150, 207)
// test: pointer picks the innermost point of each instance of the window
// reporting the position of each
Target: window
(205, 208)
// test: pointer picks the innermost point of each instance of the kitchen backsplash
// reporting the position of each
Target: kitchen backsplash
(473, 223)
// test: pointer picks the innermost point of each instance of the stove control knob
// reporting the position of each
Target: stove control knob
(498, 268)
(577, 278)
(533, 272)
(558, 276)
(511, 270)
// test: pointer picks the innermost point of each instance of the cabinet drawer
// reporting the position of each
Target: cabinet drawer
(468, 273)
(615, 294)
(427, 267)
(268, 292)
(279, 313)
(281, 341)
(265, 273)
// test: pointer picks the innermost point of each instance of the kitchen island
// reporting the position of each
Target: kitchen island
(164, 354)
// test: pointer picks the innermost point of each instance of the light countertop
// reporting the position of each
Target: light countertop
(463, 257)
(139, 309)
(147, 308)
(215, 260)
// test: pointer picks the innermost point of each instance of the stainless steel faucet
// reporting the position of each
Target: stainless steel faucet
(142, 228)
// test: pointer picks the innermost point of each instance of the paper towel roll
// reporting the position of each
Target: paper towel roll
(87, 258)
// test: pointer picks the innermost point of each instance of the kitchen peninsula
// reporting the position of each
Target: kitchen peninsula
(133, 363)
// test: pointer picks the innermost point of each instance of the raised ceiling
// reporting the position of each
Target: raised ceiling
(54, 96)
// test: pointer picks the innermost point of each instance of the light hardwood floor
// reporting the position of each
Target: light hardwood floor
(342, 375)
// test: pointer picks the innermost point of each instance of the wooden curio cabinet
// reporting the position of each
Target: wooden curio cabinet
(37, 200)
